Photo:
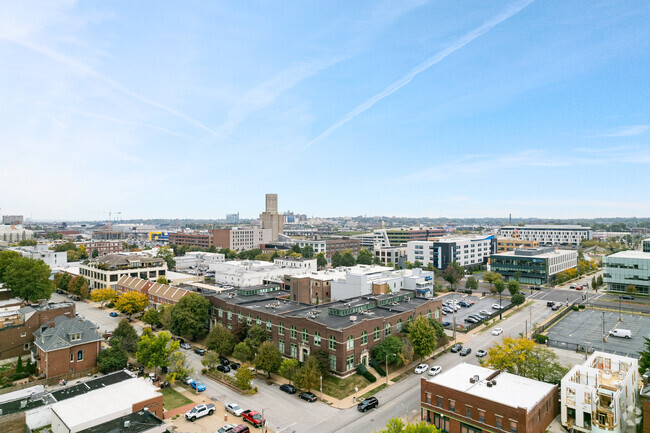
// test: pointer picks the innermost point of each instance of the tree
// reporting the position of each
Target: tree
(28, 279)
(162, 280)
(490, 277)
(167, 254)
(255, 336)
(308, 252)
(644, 356)
(525, 358)
(336, 259)
(103, 295)
(221, 340)
(6, 259)
(631, 288)
(228, 253)
(517, 299)
(19, 365)
(244, 376)
(471, 284)
(61, 280)
(131, 302)
(321, 261)
(376, 261)
(347, 258)
(112, 359)
(365, 257)
(423, 337)
(600, 280)
(268, 358)
(178, 366)
(242, 352)
(594, 283)
(323, 359)
(95, 253)
(151, 317)
(154, 350)
(190, 316)
(27, 243)
(441, 336)
(289, 368)
(295, 248)
(513, 287)
(210, 360)
(166, 315)
(396, 425)
(453, 274)
(308, 376)
(125, 336)
(391, 345)
(79, 286)
(499, 287)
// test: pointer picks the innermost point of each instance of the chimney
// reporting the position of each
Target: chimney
(645, 377)
(51, 324)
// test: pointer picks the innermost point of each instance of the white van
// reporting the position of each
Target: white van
(623, 333)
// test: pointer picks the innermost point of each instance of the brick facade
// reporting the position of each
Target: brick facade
(57, 362)
(310, 290)
(340, 245)
(200, 240)
(153, 405)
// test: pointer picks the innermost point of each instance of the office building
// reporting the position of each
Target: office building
(627, 268)
(14, 233)
(533, 265)
(646, 245)
(473, 399)
(391, 256)
(105, 271)
(198, 260)
(232, 218)
(12, 220)
(467, 252)
(271, 219)
(103, 247)
(549, 234)
(600, 395)
(42, 252)
(332, 246)
(241, 238)
(247, 273)
(191, 239)
(511, 244)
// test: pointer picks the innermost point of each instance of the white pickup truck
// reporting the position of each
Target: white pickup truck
(199, 411)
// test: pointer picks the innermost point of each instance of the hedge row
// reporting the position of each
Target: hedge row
(363, 371)
(375, 364)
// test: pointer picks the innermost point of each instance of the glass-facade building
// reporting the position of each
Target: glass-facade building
(533, 265)
(627, 268)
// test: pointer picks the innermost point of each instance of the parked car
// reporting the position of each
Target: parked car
(485, 312)
(572, 286)
(556, 306)
(368, 404)
(436, 369)
(447, 310)
(188, 380)
(421, 368)
(197, 385)
(289, 389)
(470, 320)
(465, 351)
(228, 428)
(497, 306)
(234, 365)
(445, 324)
(628, 297)
(535, 288)
(223, 360)
(112, 314)
(497, 331)
(59, 291)
(241, 428)
(199, 351)
(456, 348)
(464, 304)
(550, 303)
(477, 317)
(253, 417)
(199, 411)
(185, 346)
(578, 287)
(623, 333)
(234, 409)
(308, 396)
(481, 353)
(223, 368)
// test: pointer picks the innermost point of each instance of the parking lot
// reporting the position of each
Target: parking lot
(479, 304)
(585, 328)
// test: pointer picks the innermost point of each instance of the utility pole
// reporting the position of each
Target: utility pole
(602, 345)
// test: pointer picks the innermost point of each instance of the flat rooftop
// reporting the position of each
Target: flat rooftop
(138, 422)
(537, 253)
(548, 227)
(510, 389)
(630, 254)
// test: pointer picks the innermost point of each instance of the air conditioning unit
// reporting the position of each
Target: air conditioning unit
(353, 318)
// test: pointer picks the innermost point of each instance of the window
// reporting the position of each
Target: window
(387, 332)
(428, 314)
(269, 326)
(80, 355)
(280, 328)
(349, 364)
(294, 350)
(249, 319)
(229, 314)
(481, 415)
(294, 331)
(398, 326)
(427, 397)
(258, 321)
(350, 345)
(332, 362)
(377, 332)
(220, 312)
(498, 421)
(240, 317)
(26, 346)
(23, 334)
(281, 346)
(468, 411)
(229, 327)
(439, 401)
(452, 406)
(513, 426)
(332, 345)
(316, 338)
(305, 335)
(72, 357)
(364, 338)
(437, 313)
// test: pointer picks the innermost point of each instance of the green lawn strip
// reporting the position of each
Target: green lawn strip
(373, 391)
(5, 367)
(173, 399)
(341, 388)
(400, 377)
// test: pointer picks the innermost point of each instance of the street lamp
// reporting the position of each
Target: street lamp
(321, 388)
(264, 418)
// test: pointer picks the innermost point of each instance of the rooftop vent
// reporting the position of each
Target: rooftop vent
(353, 318)
(472, 380)
(489, 384)
(127, 424)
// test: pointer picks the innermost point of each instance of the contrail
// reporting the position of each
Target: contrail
(456, 45)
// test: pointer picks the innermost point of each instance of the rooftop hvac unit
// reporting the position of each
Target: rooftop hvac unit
(353, 318)
(489, 384)
(494, 382)
(472, 380)
(127, 424)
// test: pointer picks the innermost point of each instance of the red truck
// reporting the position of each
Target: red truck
(253, 417)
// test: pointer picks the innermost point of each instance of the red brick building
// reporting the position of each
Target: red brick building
(65, 345)
(473, 399)
(103, 247)
(158, 294)
(201, 240)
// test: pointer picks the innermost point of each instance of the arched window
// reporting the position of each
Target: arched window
(398, 326)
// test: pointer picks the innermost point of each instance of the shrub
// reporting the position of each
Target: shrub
(575, 308)
(375, 364)
(363, 371)
(204, 370)
(517, 299)
(582, 306)
(18, 376)
(541, 339)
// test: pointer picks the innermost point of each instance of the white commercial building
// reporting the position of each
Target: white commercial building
(549, 234)
(198, 260)
(42, 252)
(390, 255)
(441, 253)
(600, 395)
(317, 246)
(105, 271)
(359, 281)
(247, 273)
(12, 233)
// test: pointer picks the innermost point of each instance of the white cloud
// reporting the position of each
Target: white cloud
(628, 131)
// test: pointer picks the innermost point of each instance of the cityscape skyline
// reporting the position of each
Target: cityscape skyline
(414, 109)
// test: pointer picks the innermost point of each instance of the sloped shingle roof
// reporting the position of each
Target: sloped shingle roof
(59, 336)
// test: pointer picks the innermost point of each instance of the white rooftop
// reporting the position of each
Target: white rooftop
(631, 254)
(548, 227)
(510, 389)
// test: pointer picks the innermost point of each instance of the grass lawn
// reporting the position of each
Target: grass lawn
(341, 388)
(173, 399)
(372, 392)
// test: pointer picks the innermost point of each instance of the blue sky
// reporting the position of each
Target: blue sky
(406, 108)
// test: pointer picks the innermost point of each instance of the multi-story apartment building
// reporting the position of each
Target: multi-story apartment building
(466, 252)
(332, 246)
(548, 234)
(347, 330)
(106, 271)
(240, 238)
(391, 255)
(42, 252)
(474, 399)
(600, 395)
(17, 327)
(533, 265)
(103, 247)
(201, 240)
(627, 268)
(12, 233)
(510, 244)
(12, 220)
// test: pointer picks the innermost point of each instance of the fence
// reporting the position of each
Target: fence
(566, 345)
(51, 380)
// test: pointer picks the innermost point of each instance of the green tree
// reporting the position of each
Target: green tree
(95, 253)
(422, 336)
(244, 376)
(630, 288)
(323, 359)
(210, 360)
(308, 252)
(525, 358)
(125, 336)
(513, 287)
(268, 358)
(396, 425)
(337, 259)
(255, 336)
(365, 257)
(295, 248)
(228, 253)
(27, 243)
(190, 316)
(471, 284)
(391, 345)
(28, 278)
(517, 299)
(308, 376)
(441, 335)
(19, 365)
(417, 264)
(453, 274)
(221, 340)
(499, 287)
(321, 261)
(347, 258)
(243, 352)
(178, 366)
(594, 283)
(166, 315)
(67, 246)
(112, 359)
(61, 280)
(376, 261)
(600, 280)
(151, 317)
(289, 368)
(490, 277)
(154, 350)
(79, 286)
(167, 254)
(130, 303)
(644, 356)
(162, 280)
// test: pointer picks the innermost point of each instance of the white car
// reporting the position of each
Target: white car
(497, 331)
(436, 369)
(234, 409)
(496, 306)
(421, 368)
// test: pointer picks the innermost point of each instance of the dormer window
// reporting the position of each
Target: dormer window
(75, 337)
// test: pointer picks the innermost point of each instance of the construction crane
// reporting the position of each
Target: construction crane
(110, 213)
